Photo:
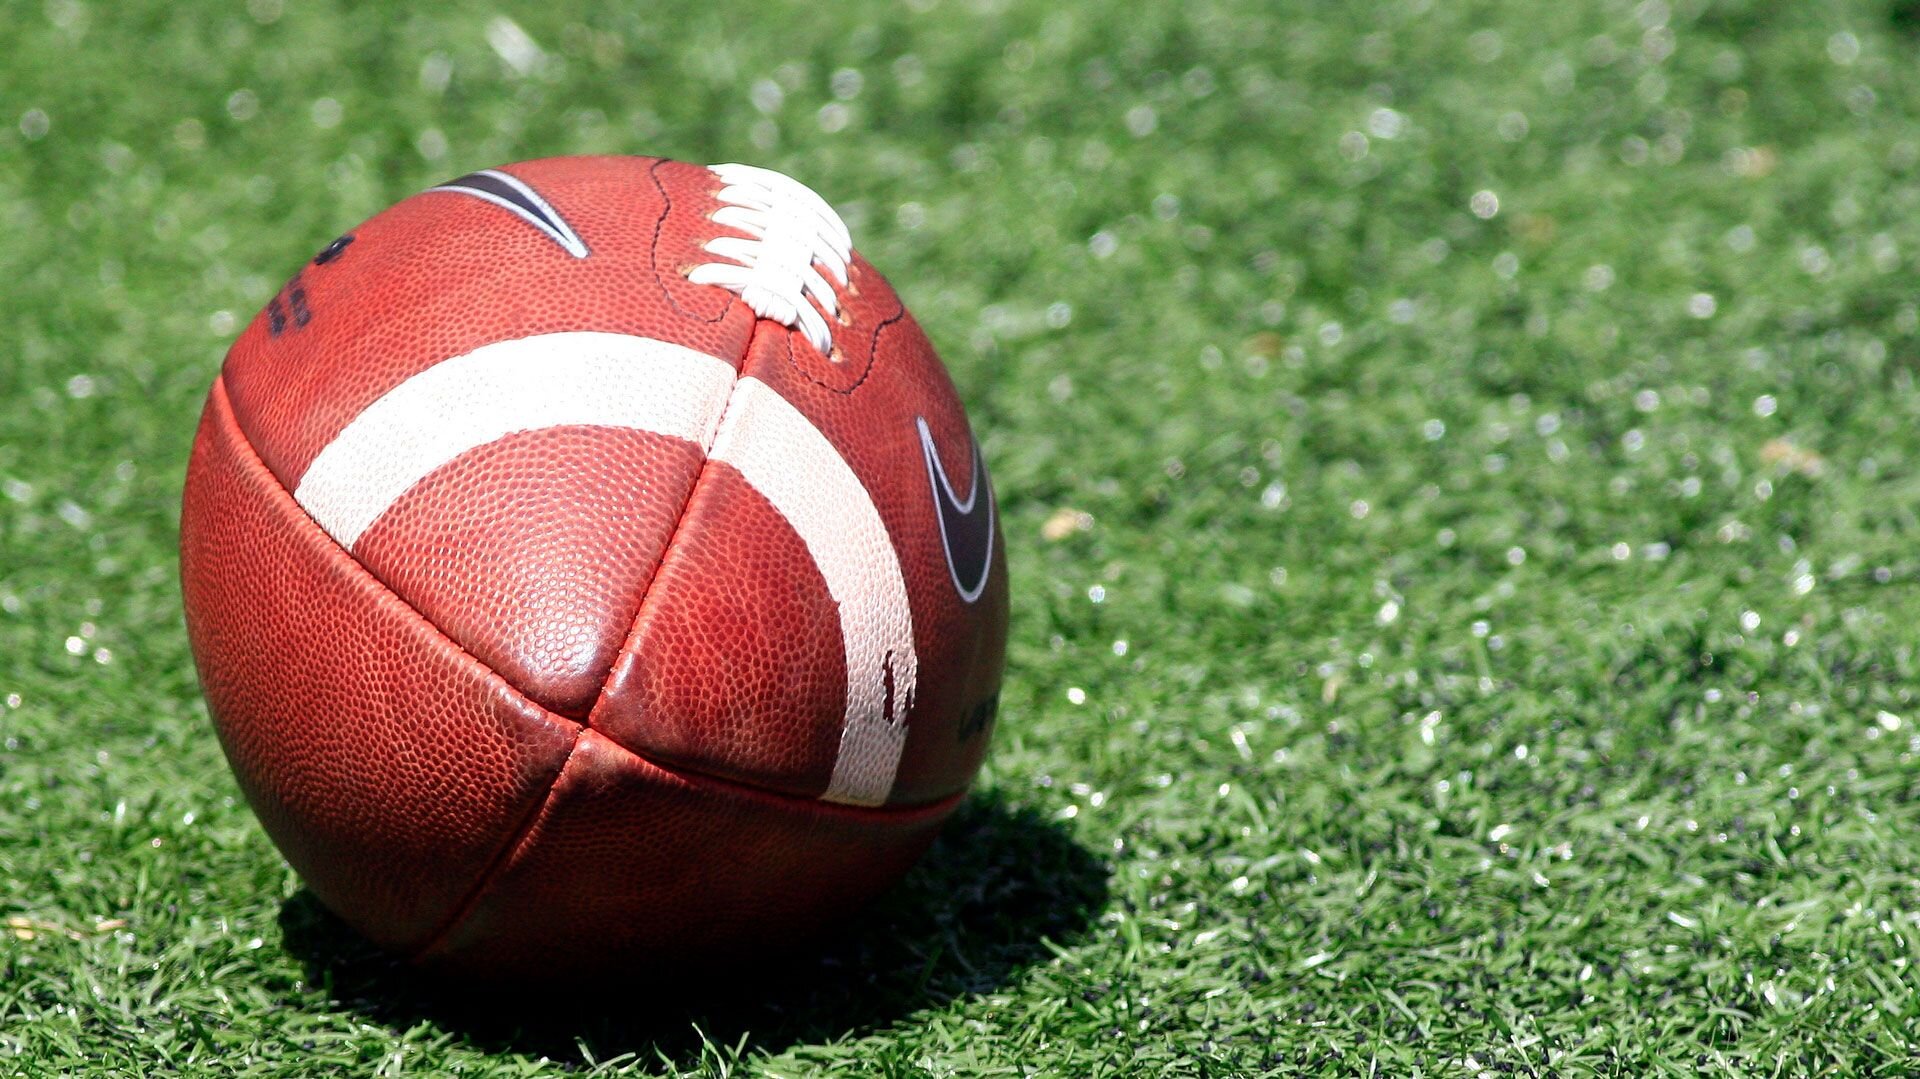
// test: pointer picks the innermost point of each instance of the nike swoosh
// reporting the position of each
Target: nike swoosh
(966, 525)
(512, 194)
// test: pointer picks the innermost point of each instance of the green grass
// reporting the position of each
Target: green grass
(1489, 647)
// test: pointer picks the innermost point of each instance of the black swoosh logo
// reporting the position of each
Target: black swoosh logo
(966, 525)
(510, 193)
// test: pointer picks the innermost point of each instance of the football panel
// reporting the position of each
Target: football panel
(389, 766)
(628, 861)
(876, 427)
(533, 551)
(735, 667)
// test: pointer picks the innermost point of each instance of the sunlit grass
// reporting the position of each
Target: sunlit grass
(1458, 463)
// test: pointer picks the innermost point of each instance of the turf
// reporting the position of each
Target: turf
(1458, 463)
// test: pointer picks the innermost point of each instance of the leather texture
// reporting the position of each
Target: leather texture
(389, 766)
(627, 859)
(900, 378)
(576, 695)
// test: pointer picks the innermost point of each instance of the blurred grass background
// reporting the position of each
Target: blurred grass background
(1458, 461)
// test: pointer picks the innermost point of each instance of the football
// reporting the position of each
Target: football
(589, 560)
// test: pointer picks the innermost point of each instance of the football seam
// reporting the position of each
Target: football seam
(483, 881)
(653, 255)
(873, 355)
(484, 884)
(673, 538)
(246, 443)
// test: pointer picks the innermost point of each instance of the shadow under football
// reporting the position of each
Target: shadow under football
(998, 884)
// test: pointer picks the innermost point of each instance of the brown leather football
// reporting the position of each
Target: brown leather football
(589, 559)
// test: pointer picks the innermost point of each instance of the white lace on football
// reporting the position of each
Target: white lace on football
(792, 235)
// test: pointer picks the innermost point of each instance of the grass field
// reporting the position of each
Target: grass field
(1459, 461)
